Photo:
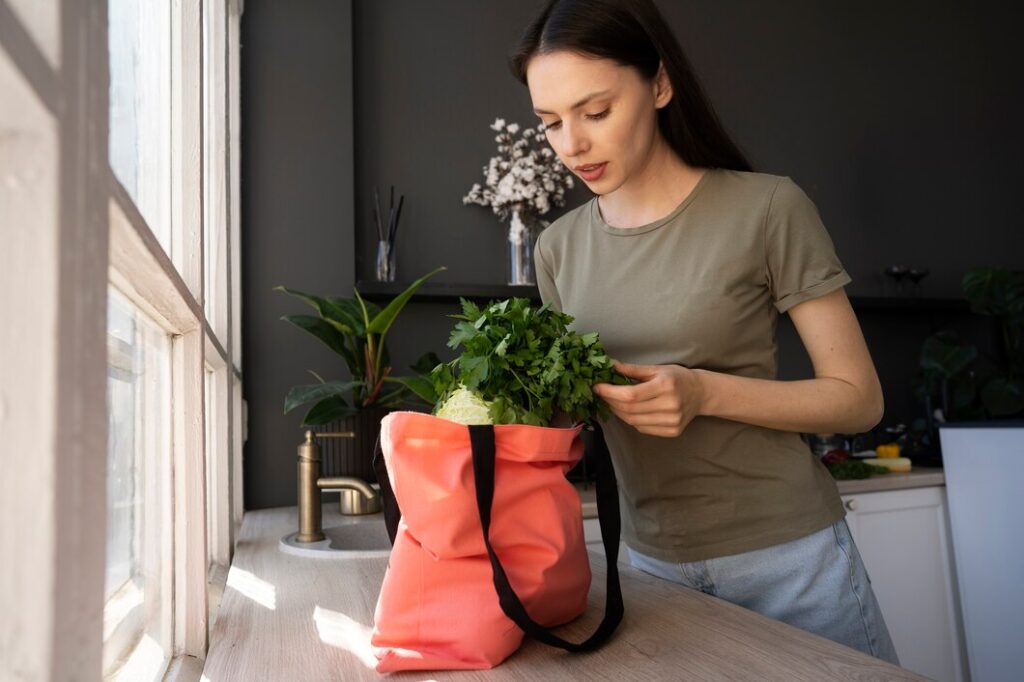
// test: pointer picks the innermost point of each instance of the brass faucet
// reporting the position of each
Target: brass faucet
(357, 496)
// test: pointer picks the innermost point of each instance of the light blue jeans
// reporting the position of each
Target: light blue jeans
(817, 583)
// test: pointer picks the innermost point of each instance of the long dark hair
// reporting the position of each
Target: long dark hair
(633, 33)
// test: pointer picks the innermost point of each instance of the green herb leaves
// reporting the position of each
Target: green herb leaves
(526, 362)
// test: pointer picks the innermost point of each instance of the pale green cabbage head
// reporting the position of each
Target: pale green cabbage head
(466, 407)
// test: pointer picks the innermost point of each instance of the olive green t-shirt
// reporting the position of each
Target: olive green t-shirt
(702, 287)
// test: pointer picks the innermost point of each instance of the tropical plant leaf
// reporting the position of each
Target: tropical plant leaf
(327, 410)
(1003, 397)
(994, 291)
(943, 354)
(317, 303)
(346, 311)
(322, 330)
(382, 321)
(426, 363)
(344, 314)
(419, 386)
(300, 395)
(392, 399)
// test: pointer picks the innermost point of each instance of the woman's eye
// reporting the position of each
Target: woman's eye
(593, 117)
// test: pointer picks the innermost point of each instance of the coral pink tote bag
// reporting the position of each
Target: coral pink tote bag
(487, 538)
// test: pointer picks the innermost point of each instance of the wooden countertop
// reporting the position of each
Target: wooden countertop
(297, 618)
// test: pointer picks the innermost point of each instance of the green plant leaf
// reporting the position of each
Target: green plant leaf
(426, 363)
(327, 410)
(363, 310)
(943, 354)
(300, 395)
(341, 311)
(391, 399)
(525, 362)
(1003, 397)
(473, 370)
(382, 321)
(322, 330)
(994, 291)
(346, 311)
(419, 386)
(315, 302)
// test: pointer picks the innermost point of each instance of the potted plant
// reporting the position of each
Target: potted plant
(955, 381)
(355, 329)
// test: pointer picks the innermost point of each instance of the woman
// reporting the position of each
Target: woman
(683, 262)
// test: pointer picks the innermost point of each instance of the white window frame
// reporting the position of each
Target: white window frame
(74, 230)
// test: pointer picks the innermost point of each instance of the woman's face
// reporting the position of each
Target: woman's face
(600, 117)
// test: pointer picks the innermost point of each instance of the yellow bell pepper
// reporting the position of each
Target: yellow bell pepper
(888, 450)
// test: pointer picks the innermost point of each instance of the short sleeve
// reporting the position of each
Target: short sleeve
(801, 261)
(545, 276)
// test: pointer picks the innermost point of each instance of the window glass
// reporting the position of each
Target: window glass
(138, 451)
(140, 107)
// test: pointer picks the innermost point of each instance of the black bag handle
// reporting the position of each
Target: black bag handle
(392, 513)
(482, 441)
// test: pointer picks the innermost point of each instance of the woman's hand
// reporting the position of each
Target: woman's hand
(665, 400)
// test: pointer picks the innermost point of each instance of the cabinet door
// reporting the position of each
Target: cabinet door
(903, 540)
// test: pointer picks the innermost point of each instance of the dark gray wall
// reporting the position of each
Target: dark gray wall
(901, 121)
(297, 207)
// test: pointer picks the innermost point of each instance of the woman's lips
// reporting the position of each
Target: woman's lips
(594, 173)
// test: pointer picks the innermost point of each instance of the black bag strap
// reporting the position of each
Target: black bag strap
(392, 513)
(482, 441)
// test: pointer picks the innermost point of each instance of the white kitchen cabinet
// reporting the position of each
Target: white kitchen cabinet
(903, 539)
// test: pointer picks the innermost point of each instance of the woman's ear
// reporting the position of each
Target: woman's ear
(662, 87)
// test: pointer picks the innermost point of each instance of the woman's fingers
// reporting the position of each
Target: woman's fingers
(628, 394)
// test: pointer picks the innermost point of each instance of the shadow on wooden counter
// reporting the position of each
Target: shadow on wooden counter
(286, 617)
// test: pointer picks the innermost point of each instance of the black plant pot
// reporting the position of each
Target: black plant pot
(351, 456)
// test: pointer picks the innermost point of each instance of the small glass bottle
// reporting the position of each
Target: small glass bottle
(385, 261)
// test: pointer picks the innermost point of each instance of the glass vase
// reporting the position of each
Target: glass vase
(522, 235)
(385, 261)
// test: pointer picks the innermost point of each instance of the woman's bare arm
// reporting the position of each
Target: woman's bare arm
(844, 397)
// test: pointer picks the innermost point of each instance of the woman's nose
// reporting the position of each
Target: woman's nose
(573, 142)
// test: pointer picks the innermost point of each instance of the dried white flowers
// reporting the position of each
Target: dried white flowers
(525, 177)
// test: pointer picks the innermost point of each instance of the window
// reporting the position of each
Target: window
(119, 212)
(140, 107)
(170, 101)
(215, 168)
(138, 480)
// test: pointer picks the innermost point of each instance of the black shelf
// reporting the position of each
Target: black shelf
(444, 292)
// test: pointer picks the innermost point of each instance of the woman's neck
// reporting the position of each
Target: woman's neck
(653, 193)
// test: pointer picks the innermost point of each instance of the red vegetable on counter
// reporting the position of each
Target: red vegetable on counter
(836, 456)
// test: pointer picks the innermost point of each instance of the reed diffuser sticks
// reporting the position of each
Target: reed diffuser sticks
(386, 236)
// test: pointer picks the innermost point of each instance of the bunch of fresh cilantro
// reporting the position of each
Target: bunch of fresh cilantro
(525, 363)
